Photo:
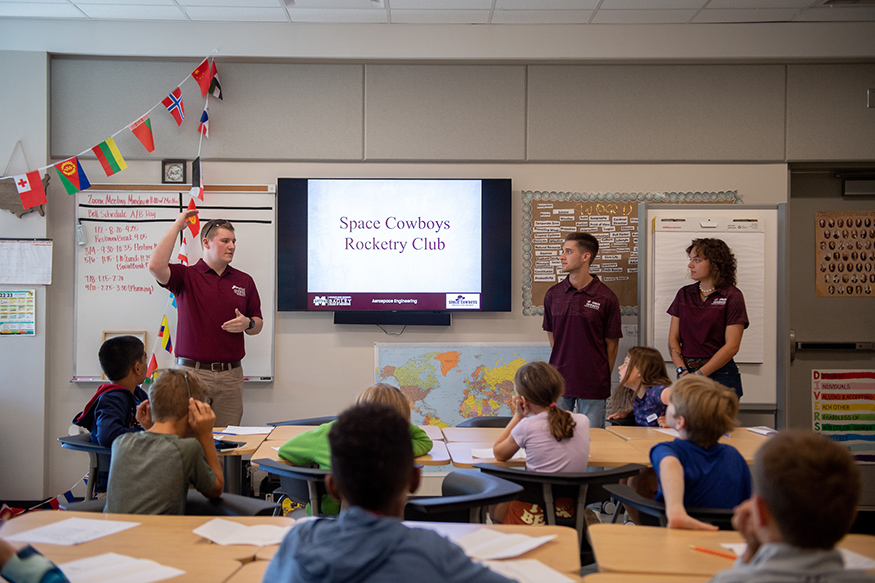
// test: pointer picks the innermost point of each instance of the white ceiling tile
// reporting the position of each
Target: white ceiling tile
(541, 16)
(838, 14)
(653, 4)
(232, 3)
(113, 12)
(126, 2)
(330, 4)
(740, 15)
(440, 5)
(34, 10)
(760, 4)
(643, 16)
(440, 16)
(338, 16)
(239, 14)
(543, 4)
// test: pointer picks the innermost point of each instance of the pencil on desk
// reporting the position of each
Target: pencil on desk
(713, 552)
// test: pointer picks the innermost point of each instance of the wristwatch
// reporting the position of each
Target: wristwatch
(251, 324)
(681, 369)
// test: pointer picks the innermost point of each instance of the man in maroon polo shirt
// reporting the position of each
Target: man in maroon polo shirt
(582, 320)
(217, 305)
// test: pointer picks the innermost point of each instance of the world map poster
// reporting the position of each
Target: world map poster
(448, 383)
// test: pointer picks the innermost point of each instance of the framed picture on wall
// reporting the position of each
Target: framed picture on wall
(173, 172)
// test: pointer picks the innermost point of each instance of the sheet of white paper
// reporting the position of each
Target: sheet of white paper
(485, 544)
(763, 430)
(275, 448)
(111, 567)
(855, 560)
(238, 430)
(488, 454)
(528, 571)
(226, 532)
(72, 531)
(669, 431)
(737, 548)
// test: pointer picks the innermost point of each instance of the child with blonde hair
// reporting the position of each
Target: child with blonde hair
(643, 378)
(696, 470)
(151, 470)
(554, 439)
(312, 446)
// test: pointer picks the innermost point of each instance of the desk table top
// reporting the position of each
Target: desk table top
(251, 443)
(560, 554)
(607, 453)
(665, 551)
(438, 456)
(250, 573)
(490, 434)
(168, 540)
(286, 432)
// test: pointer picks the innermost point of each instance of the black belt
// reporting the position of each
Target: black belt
(213, 366)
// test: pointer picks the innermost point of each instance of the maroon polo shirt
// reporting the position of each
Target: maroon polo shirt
(581, 320)
(205, 301)
(703, 324)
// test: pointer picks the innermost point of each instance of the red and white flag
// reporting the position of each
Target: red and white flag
(194, 223)
(183, 251)
(202, 75)
(174, 105)
(30, 189)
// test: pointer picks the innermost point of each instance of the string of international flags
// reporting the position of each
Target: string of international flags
(73, 177)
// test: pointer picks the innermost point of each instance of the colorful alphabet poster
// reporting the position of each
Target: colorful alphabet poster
(843, 409)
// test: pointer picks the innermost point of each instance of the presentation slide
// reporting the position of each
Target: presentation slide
(398, 244)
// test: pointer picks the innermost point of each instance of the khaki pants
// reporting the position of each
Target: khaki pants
(224, 393)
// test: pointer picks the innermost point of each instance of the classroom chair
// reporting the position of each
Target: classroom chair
(543, 488)
(307, 421)
(98, 457)
(302, 485)
(465, 495)
(653, 513)
(197, 505)
(485, 421)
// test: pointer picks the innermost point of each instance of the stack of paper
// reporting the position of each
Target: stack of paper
(485, 544)
(528, 571)
(72, 531)
(238, 430)
(112, 567)
(488, 454)
(226, 532)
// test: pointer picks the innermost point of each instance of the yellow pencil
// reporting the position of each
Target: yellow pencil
(713, 552)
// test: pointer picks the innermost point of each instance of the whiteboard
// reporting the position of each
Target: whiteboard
(115, 291)
(754, 233)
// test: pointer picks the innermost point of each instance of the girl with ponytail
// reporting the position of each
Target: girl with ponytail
(554, 440)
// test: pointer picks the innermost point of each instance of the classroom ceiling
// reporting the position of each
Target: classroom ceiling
(448, 11)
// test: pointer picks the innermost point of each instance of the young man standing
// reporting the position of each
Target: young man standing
(217, 305)
(582, 320)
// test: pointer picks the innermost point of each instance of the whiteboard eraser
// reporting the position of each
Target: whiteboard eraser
(708, 224)
(80, 235)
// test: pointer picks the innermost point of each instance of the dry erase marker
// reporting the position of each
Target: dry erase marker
(713, 552)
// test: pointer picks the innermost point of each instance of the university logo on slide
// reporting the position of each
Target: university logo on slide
(320, 301)
(463, 301)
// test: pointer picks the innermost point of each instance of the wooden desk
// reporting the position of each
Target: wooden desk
(490, 434)
(433, 431)
(666, 551)
(746, 447)
(232, 466)
(634, 578)
(283, 433)
(635, 432)
(250, 573)
(606, 453)
(561, 553)
(168, 540)
(438, 456)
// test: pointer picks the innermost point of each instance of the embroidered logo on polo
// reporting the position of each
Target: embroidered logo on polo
(240, 291)
(593, 305)
(719, 302)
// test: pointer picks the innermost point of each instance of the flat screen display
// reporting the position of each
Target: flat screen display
(393, 244)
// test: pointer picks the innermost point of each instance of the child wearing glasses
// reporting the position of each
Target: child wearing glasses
(151, 471)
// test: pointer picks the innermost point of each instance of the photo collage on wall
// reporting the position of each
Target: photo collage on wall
(845, 254)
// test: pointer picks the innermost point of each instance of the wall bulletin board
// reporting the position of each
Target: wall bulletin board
(612, 218)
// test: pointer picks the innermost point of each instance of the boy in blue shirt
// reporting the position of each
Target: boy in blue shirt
(27, 566)
(696, 470)
(119, 406)
(373, 471)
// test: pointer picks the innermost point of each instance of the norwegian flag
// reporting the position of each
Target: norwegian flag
(174, 105)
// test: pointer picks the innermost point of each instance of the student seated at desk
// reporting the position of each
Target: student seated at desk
(696, 470)
(373, 471)
(151, 470)
(643, 380)
(806, 490)
(312, 447)
(119, 406)
(27, 566)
